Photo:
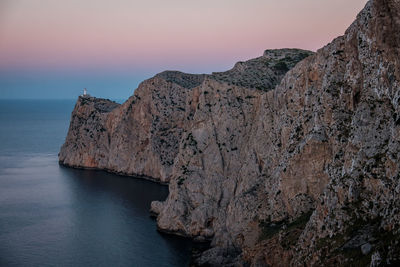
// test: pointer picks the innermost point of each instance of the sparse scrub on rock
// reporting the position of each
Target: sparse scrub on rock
(289, 159)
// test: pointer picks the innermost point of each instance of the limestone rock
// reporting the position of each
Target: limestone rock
(87, 142)
(325, 141)
(287, 159)
(141, 137)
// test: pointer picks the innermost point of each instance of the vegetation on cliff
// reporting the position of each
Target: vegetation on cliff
(288, 159)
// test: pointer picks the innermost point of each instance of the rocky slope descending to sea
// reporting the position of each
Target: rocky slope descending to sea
(306, 173)
(141, 137)
(313, 176)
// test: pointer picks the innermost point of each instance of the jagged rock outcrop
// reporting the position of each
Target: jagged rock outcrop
(264, 72)
(274, 168)
(88, 141)
(141, 137)
(316, 176)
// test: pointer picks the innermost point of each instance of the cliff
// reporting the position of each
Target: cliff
(141, 137)
(273, 166)
(88, 140)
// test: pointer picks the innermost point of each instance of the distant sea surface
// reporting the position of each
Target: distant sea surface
(55, 216)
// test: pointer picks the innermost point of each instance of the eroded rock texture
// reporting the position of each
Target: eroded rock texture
(87, 143)
(141, 137)
(274, 168)
(316, 165)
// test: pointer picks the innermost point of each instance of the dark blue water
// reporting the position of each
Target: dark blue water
(56, 216)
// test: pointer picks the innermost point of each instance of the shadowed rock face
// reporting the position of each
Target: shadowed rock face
(305, 173)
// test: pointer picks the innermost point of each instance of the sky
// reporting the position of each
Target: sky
(54, 48)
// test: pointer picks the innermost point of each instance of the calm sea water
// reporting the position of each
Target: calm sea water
(56, 216)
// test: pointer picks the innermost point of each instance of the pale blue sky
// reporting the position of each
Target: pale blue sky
(54, 48)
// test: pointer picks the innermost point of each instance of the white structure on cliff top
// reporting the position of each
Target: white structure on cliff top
(85, 94)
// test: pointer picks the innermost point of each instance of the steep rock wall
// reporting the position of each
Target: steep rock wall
(141, 137)
(316, 176)
(306, 173)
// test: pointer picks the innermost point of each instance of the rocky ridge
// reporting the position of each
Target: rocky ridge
(306, 173)
(141, 137)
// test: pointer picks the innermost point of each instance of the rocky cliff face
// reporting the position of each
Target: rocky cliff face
(283, 169)
(88, 140)
(141, 137)
(315, 175)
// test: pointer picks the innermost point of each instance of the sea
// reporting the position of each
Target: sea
(51, 215)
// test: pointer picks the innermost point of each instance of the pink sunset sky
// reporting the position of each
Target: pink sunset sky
(62, 46)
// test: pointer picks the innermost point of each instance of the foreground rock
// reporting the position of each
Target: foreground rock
(310, 168)
(272, 168)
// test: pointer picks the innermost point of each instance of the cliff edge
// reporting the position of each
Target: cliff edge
(290, 159)
(141, 137)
